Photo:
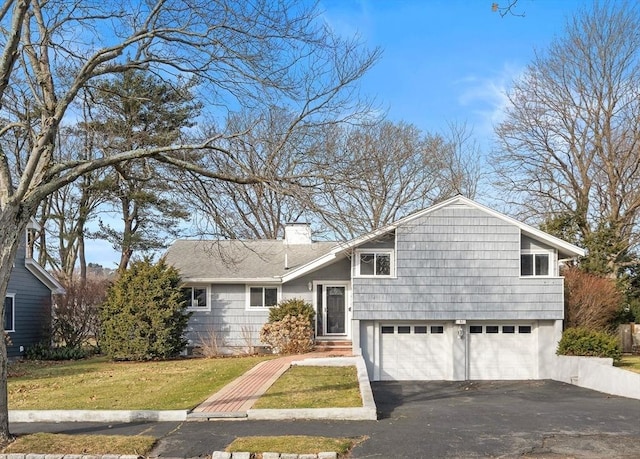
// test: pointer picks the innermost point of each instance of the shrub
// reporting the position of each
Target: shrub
(144, 316)
(583, 342)
(291, 335)
(76, 313)
(591, 301)
(292, 307)
(42, 351)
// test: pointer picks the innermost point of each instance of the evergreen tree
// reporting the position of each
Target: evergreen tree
(144, 315)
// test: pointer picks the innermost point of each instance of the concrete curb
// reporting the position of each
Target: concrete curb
(96, 416)
(268, 455)
(66, 456)
(368, 412)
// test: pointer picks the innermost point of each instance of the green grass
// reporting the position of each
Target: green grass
(46, 443)
(293, 444)
(630, 362)
(99, 384)
(314, 387)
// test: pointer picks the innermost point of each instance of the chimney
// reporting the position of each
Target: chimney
(297, 233)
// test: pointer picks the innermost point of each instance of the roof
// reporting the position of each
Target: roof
(565, 249)
(274, 261)
(43, 276)
(241, 261)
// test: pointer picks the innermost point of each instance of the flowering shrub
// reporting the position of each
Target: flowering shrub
(290, 335)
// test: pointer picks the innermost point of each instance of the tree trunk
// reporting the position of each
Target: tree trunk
(13, 222)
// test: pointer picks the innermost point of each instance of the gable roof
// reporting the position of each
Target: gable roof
(238, 261)
(274, 261)
(44, 276)
(564, 248)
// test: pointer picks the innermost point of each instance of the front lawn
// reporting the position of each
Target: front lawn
(48, 443)
(630, 362)
(99, 384)
(293, 444)
(313, 387)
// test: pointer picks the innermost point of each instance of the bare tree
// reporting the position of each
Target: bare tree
(269, 147)
(351, 179)
(377, 173)
(242, 53)
(569, 145)
(65, 213)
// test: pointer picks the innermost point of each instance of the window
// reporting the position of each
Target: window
(475, 329)
(492, 329)
(196, 297)
(9, 312)
(420, 330)
(387, 329)
(524, 329)
(404, 329)
(508, 329)
(263, 297)
(534, 264)
(374, 263)
(437, 329)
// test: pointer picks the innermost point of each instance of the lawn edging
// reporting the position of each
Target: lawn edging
(368, 411)
(124, 416)
(598, 374)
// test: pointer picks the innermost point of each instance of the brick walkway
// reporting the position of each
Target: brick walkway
(234, 399)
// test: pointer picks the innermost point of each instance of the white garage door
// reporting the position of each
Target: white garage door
(502, 351)
(415, 352)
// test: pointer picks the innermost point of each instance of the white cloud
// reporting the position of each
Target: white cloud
(485, 97)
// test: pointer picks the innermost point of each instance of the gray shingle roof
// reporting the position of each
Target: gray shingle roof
(209, 260)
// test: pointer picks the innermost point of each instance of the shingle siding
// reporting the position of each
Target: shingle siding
(234, 326)
(457, 263)
(32, 308)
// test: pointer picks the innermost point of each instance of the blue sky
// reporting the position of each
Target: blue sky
(448, 60)
(443, 60)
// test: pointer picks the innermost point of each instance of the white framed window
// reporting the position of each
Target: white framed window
(262, 296)
(9, 312)
(536, 264)
(197, 297)
(375, 263)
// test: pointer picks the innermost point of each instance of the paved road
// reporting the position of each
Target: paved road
(435, 419)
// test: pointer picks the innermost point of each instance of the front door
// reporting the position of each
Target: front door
(335, 300)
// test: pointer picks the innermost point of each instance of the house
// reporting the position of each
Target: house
(457, 291)
(27, 304)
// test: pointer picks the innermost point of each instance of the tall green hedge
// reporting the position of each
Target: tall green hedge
(144, 316)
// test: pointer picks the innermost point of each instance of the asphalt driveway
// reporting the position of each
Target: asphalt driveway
(435, 419)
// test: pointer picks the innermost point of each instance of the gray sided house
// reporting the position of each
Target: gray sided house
(453, 292)
(27, 304)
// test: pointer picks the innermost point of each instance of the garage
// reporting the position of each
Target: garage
(502, 351)
(419, 351)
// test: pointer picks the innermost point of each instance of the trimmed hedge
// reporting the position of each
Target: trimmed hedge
(42, 351)
(583, 342)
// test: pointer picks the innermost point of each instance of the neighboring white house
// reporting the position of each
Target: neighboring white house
(453, 292)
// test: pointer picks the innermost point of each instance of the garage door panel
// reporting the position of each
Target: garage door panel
(414, 355)
(502, 355)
